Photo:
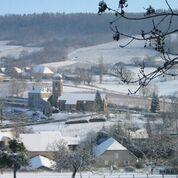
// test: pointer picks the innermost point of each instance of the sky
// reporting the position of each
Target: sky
(72, 6)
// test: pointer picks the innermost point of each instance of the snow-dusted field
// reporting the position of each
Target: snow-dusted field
(112, 53)
(73, 129)
(167, 87)
(15, 50)
(60, 64)
(83, 175)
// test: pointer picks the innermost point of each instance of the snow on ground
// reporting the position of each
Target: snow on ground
(84, 175)
(167, 87)
(72, 129)
(106, 79)
(117, 88)
(82, 130)
(71, 89)
(15, 50)
(112, 53)
(136, 69)
(60, 64)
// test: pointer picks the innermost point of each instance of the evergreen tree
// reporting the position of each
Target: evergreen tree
(98, 102)
(13, 156)
(155, 103)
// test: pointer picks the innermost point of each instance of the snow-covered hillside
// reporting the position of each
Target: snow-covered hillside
(112, 53)
(15, 51)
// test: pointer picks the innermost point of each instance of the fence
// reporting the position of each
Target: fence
(83, 175)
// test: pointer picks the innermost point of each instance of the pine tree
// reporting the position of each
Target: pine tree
(13, 156)
(98, 102)
(155, 103)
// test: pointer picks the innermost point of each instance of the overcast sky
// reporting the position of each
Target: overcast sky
(68, 6)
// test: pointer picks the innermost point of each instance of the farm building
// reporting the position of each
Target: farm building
(41, 163)
(112, 153)
(43, 143)
(72, 102)
(41, 71)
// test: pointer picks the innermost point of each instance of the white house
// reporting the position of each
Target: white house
(41, 71)
(43, 143)
(41, 162)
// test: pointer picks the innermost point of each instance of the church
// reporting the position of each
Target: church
(44, 99)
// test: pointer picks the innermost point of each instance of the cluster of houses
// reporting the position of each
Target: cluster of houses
(38, 72)
(47, 100)
(41, 149)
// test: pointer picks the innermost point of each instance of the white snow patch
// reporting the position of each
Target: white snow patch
(112, 53)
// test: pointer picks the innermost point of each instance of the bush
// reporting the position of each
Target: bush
(139, 165)
(129, 169)
(76, 121)
(170, 170)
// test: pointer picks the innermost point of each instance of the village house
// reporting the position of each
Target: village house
(4, 77)
(5, 137)
(43, 99)
(41, 163)
(73, 102)
(44, 143)
(38, 100)
(41, 71)
(112, 153)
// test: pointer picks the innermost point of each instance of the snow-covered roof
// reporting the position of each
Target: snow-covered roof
(18, 70)
(57, 76)
(5, 135)
(39, 161)
(3, 69)
(44, 141)
(40, 90)
(40, 69)
(140, 133)
(72, 98)
(109, 145)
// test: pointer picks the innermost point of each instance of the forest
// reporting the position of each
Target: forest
(60, 33)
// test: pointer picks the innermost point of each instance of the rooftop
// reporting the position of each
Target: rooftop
(109, 145)
(44, 141)
(72, 98)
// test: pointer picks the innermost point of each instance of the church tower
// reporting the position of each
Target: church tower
(57, 88)
(57, 85)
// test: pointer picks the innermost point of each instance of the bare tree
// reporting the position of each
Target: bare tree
(17, 87)
(2, 105)
(75, 160)
(154, 38)
(101, 69)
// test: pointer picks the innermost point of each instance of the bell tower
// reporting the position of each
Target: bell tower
(57, 87)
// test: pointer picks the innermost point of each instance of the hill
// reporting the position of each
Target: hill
(59, 34)
(112, 53)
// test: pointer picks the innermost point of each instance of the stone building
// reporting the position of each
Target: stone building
(57, 89)
(44, 143)
(112, 153)
(41, 71)
(72, 102)
(44, 99)
(38, 100)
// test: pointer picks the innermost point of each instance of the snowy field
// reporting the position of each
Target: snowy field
(14, 50)
(112, 53)
(80, 130)
(60, 64)
(83, 175)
